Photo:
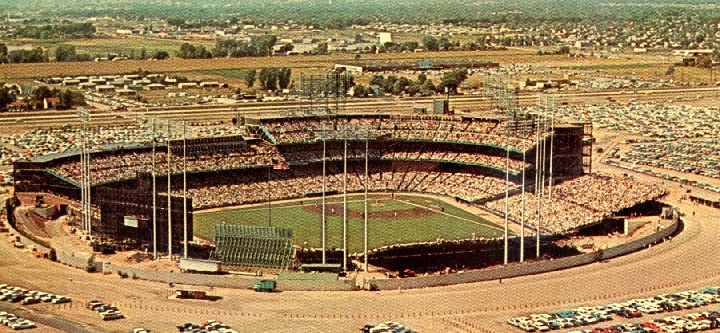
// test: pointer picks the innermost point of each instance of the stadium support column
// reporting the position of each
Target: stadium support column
(522, 210)
(323, 197)
(169, 207)
(345, 203)
(185, 240)
(367, 134)
(154, 193)
(507, 193)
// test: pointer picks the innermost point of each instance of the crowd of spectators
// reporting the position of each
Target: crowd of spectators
(577, 202)
(238, 188)
(411, 128)
(126, 165)
(400, 152)
(41, 142)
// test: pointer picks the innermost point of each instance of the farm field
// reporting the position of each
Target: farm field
(176, 65)
(403, 219)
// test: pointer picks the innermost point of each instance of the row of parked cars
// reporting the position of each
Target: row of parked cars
(205, 327)
(26, 297)
(633, 308)
(15, 322)
(691, 322)
(106, 311)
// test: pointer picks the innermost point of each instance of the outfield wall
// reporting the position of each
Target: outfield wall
(520, 269)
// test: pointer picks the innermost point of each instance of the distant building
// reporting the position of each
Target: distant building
(385, 37)
(49, 102)
(124, 32)
(693, 52)
(186, 85)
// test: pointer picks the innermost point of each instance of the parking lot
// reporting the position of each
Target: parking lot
(702, 318)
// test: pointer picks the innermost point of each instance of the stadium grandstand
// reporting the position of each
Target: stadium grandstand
(465, 158)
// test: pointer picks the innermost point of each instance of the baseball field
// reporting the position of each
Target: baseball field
(391, 220)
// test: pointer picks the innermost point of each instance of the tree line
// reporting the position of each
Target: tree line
(54, 31)
(423, 86)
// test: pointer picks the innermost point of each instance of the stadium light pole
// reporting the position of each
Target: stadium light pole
(185, 226)
(537, 185)
(522, 211)
(86, 215)
(552, 138)
(367, 137)
(345, 202)
(169, 201)
(154, 193)
(507, 191)
(323, 195)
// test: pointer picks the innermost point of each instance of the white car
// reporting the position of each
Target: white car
(21, 325)
(111, 314)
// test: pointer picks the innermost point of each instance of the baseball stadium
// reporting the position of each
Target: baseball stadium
(411, 193)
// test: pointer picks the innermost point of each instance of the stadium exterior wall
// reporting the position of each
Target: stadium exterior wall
(520, 269)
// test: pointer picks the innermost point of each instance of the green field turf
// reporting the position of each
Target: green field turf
(454, 223)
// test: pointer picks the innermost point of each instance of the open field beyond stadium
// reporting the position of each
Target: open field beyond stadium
(403, 219)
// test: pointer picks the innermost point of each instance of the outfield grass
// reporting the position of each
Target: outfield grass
(306, 224)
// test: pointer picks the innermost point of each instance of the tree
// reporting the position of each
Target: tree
(250, 76)
(187, 51)
(143, 53)
(40, 93)
(65, 53)
(360, 91)
(284, 77)
(444, 44)
(263, 45)
(453, 79)
(3, 49)
(161, 55)
(175, 21)
(322, 48)
(6, 97)
(421, 78)
(431, 43)
(427, 88)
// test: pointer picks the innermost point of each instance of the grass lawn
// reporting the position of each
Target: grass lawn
(413, 224)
